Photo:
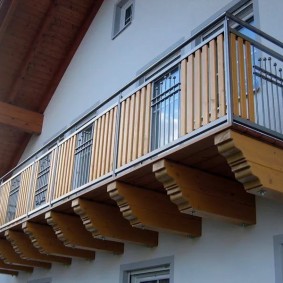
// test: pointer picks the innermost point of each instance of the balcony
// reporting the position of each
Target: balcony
(197, 117)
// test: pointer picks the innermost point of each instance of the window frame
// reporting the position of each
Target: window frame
(119, 21)
(144, 267)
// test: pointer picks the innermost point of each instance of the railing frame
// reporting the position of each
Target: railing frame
(119, 97)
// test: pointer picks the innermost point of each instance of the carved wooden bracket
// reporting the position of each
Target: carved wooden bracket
(71, 231)
(257, 165)
(23, 246)
(152, 210)
(9, 256)
(107, 222)
(44, 239)
(15, 267)
(200, 193)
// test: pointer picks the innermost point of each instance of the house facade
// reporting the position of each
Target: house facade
(160, 157)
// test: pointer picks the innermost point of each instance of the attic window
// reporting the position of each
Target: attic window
(123, 16)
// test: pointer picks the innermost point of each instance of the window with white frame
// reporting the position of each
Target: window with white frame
(158, 270)
(123, 16)
(165, 109)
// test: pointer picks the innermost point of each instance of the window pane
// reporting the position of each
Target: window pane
(82, 157)
(165, 105)
(128, 15)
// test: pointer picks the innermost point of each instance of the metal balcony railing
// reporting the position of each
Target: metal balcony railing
(234, 76)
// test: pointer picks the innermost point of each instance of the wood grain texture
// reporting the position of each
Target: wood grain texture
(199, 193)
(152, 210)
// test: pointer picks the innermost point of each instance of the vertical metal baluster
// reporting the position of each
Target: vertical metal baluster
(277, 96)
(280, 72)
(272, 94)
(261, 87)
(255, 88)
(174, 94)
(160, 115)
(169, 109)
(164, 108)
(267, 93)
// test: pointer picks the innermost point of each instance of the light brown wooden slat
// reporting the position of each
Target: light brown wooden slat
(97, 147)
(221, 79)
(142, 122)
(126, 132)
(105, 146)
(190, 94)
(234, 78)
(33, 186)
(131, 130)
(197, 89)
(249, 78)
(204, 81)
(136, 125)
(183, 96)
(241, 64)
(121, 136)
(66, 168)
(146, 136)
(113, 136)
(59, 172)
(102, 138)
(93, 151)
(71, 165)
(108, 152)
(5, 190)
(212, 80)
(64, 165)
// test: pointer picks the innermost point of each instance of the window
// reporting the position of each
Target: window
(158, 270)
(82, 157)
(42, 181)
(123, 16)
(165, 106)
(13, 198)
(278, 258)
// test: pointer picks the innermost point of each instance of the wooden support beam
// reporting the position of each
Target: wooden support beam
(9, 256)
(25, 120)
(19, 77)
(107, 222)
(15, 267)
(256, 164)
(23, 246)
(71, 231)
(152, 210)
(9, 272)
(200, 193)
(45, 240)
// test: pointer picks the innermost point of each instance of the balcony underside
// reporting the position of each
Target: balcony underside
(215, 176)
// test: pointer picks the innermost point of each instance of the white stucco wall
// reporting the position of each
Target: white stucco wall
(102, 66)
(224, 253)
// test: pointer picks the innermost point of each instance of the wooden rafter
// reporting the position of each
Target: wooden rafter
(45, 240)
(8, 254)
(25, 120)
(15, 267)
(71, 231)
(23, 246)
(152, 210)
(72, 50)
(200, 193)
(7, 10)
(16, 85)
(9, 272)
(105, 221)
(257, 165)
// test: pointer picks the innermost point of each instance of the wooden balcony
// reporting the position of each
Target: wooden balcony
(219, 132)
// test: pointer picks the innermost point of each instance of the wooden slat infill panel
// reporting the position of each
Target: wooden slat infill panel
(203, 86)
(4, 197)
(134, 134)
(103, 144)
(64, 171)
(26, 186)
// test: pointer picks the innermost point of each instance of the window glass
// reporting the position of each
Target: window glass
(13, 198)
(123, 16)
(82, 157)
(165, 106)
